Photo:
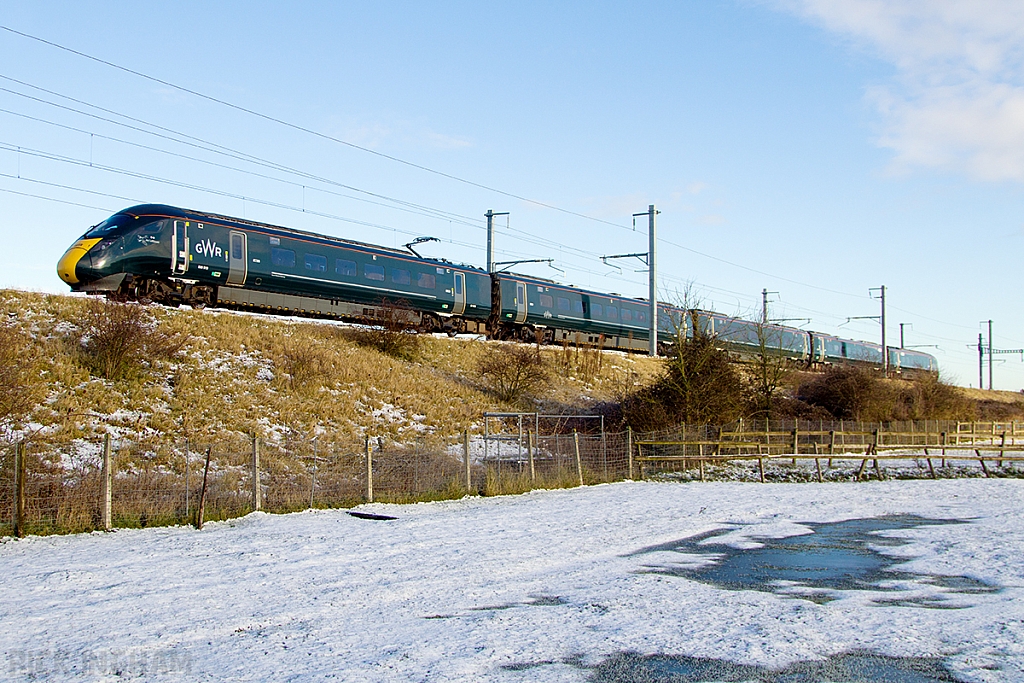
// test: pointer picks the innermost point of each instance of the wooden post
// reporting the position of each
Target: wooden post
(863, 464)
(930, 468)
(202, 493)
(369, 471)
(944, 448)
(878, 470)
(312, 478)
(106, 492)
(701, 462)
(257, 490)
(831, 446)
(817, 465)
(579, 463)
(796, 442)
(466, 461)
(629, 450)
(187, 511)
(760, 467)
(529, 453)
(1002, 449)
(19, 489)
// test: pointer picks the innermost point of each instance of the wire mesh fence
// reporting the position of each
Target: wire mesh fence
(65, 488)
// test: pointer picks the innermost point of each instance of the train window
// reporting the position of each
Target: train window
(426, 281)
(546, 301)
(563, 304)
(343, 267)
(597, 310)
(155, 226)
(577, 307)
(641, 316)
(236, 247)
(108, 226)
(372, 272)
(627, 315)
(316, 262)
(282, 257)
(400, 277)
(613, 313)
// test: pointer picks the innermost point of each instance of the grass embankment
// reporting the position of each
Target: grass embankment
(219, 375)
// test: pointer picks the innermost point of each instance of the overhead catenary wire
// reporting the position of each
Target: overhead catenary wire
(331, 138)
(443, 215)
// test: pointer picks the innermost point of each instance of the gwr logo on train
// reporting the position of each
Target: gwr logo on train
(209, 248)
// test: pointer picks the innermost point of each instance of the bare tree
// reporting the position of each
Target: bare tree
(513, 370)
(770, 366)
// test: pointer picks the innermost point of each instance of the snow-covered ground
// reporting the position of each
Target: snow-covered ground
(539, 587)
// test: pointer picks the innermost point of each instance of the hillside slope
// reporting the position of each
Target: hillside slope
(273, 377)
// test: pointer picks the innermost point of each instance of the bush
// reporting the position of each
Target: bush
(862, 394)
(699, 386)
(513, 370)
(392, 330)
(120, 339)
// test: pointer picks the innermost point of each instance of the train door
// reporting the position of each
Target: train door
(238, 261)
(460, 294)
(520, 303)
(179, 247)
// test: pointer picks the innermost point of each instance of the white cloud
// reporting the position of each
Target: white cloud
(957, 101)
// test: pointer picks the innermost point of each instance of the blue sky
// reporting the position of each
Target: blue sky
(813, 148)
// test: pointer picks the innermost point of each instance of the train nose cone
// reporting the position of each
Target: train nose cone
(69, 261)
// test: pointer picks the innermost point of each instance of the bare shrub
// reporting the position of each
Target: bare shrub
(307, 365)
(848, 392)
(862, 394)
(120, 339)
(392, 330)
(512, 370)
(580, 361)
(699, 386)
(929, 398)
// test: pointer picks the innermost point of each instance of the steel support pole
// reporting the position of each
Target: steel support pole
(885, 349)
(490, 240)
(990, 355)
(652, 262)
(981, 363)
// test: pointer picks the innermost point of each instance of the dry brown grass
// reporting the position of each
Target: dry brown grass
(278, 378)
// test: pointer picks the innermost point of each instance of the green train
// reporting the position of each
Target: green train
(177, 256)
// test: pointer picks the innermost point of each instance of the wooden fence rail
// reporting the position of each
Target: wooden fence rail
(1000, 442)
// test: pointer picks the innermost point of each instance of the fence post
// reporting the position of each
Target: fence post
(465, 459)
(579, 463)
(107, 488)
(629, 450)
(312, 482)
(186, 480)
(257, 497)
(796, 442)
(202, 493)
(529, 453)
(19, 489)
(369, 471)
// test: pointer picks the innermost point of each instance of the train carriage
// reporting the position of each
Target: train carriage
(526, 305)
(175, 256)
